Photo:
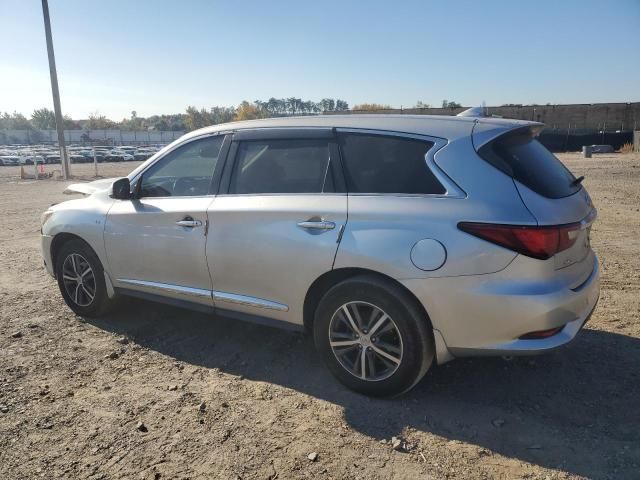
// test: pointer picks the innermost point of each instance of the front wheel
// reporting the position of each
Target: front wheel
(81, 279)
(373, 336)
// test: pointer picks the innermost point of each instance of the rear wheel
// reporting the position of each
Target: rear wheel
(373, 336)
(81, 279)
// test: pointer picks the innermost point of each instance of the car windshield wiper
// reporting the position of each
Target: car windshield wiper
(577, 181)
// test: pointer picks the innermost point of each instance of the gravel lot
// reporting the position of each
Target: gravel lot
(158, 392)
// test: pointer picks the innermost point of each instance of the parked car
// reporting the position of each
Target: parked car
(31, 159)
(9, 160)
(55, 158)
(78, 159)
(398, 241)
(118, 156)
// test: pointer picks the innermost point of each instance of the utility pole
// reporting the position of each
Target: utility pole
(56, 93)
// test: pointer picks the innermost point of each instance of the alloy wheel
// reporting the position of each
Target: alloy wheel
(79, 280)
(365, 341)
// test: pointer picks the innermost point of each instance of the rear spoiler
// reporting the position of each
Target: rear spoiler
(484, 132)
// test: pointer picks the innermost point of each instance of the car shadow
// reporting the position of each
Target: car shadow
(575, 409)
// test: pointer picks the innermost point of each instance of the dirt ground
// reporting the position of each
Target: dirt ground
(73, 390)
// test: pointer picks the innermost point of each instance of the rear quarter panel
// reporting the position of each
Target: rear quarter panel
(382, 229)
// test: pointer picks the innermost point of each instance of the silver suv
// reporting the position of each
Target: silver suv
(397, 240)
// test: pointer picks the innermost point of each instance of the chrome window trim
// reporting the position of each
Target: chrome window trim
(167, 287)
(451, 189)
(248, 301)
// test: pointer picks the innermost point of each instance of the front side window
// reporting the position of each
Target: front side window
(185, 172)
(387, 164)
(281, 166)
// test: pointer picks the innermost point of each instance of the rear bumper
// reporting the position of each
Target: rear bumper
(484, 315)
(45, 244)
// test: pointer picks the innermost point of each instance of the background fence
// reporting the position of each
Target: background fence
(87, 137)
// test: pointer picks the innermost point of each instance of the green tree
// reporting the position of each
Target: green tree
(341, 106)
(14, 121)
(97, 121)
(43, 118)
(452, 104)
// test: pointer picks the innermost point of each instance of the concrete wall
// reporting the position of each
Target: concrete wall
(115, 137)
(597, 116)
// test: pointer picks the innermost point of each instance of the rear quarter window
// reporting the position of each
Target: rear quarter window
(526, 160)
(387, 164)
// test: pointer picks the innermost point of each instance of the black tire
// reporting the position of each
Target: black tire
(417, 349)
(100, 303)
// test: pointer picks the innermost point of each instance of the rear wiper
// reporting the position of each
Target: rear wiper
(577, 181)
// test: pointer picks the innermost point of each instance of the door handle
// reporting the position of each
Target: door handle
(317, 225)
(189, 222)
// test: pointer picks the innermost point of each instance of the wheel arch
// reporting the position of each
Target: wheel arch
(59, 240)
(327, 280)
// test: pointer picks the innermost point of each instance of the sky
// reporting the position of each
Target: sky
(159, 56)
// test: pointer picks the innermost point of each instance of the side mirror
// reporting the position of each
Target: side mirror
(121, 189)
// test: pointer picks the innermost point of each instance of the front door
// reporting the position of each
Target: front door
(156, 242)
(276, 227)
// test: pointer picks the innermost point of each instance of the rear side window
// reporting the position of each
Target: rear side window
(387, 164)
(526, 160)
(282, 166)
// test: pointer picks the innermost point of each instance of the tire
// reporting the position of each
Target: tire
(405, 336)
(78, 297)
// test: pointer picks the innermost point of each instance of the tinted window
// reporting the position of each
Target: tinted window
(281, 166)
(522, 157)
(385, 164)
(185, 172)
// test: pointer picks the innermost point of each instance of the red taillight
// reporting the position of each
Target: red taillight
(537, 242)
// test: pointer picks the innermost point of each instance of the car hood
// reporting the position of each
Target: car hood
(90, 187)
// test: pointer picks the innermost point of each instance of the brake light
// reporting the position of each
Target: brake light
(537, 242)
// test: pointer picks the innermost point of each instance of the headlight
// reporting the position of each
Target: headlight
(45, 216)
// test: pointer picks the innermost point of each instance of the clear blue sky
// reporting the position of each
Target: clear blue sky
(160, 56)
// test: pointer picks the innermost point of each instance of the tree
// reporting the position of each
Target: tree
(370, 107)
(341, 106)
(327, 105)
(248, 111)
(222, 114)
(452, 104)
(197, 118)
(44, 119)
(97, 121)
(421, 104)
(14, 121)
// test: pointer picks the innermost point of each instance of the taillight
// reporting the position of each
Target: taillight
(537, 242)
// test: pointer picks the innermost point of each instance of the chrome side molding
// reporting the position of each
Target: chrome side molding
(226, 297)
(248, 301)
(166, 287)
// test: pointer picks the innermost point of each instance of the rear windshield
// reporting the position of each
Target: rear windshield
(526, 160)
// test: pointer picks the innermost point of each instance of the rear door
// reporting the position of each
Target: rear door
(276, 224)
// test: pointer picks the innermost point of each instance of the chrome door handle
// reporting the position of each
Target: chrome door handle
(189, 223)
(317, 225)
